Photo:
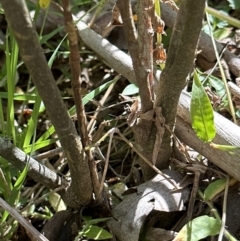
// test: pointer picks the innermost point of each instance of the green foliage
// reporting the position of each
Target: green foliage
(234, 4)
(131, 89)
(214, 83)
(97, 233)
(220, 27)
(15, 192)
(217, 187)
(233, 150)
(91, 231)
(11, 67)
(199, 228)
(56, 202)
(201, 112)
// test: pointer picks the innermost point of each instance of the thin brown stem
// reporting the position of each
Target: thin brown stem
(19, 20)
(77, 91)
(75, 70)
(141, 66)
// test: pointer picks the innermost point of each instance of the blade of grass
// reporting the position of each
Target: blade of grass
(38, 145)
(19, 97)
(2, 121)
(90, 96)
(86, 99)
(15, 192)
(232, 21)
(4, 187)
(11, 59)
(32, 124)
(221, 70)
(44, 20)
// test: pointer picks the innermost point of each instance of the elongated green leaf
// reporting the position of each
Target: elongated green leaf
(233, 150)
(15, 191)
(38, 145)
(2, 120)
(11, 60)
(21, 97)
(45, 38)
(97, 233)
(85, 100)
(97, 220)
(32, 123)
(199, 228)
(57, 202)
(216, 83)
(216, 187)
(131, 89)
(201, 112)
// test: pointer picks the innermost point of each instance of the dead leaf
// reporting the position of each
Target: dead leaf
(155, 194)
(159, 54)
(158, 25)
(115, 21)
(134, 113)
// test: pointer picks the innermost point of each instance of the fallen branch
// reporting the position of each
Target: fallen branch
(37, 171)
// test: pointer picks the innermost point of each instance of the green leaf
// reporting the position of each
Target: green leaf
(199, 228)
(56, 202)
(44, 3)
(97, 233)
(87, 98)
(222, 33)
(32, 123)
(21, 97)
(97, 220)
(234, 4)
(38, 145)
(216, 187)
(119, 189)
(218, 85)
(15, 191)
(131, 89)
(45, 38)
(201, 112)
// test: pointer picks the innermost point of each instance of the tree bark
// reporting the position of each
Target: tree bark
(179, 64)
(122, 64)
(36, 170)
(140, 48)
(77, 91)
(18, 18)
